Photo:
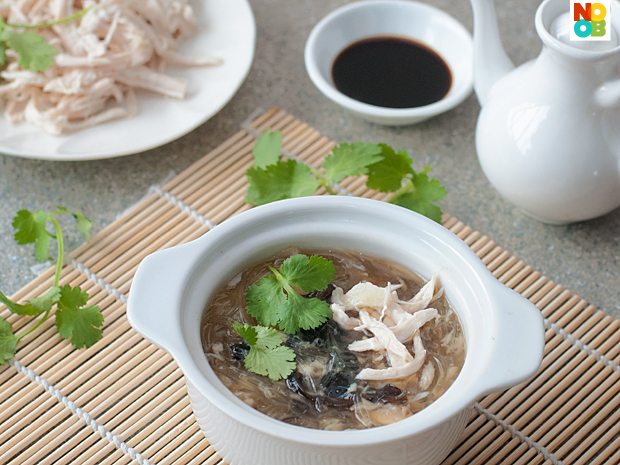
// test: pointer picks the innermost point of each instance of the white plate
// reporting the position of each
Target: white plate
(226, 29)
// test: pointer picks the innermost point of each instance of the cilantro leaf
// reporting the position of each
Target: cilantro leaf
(408, 200)
(308, 274)
(267, 337)
(351, 160)
(30, 228)
(276, 363)
(34, 52)
(425, 192)
(267, 356)
(18, 309)
(45, 302)
(246, 331)
(33, 307)
(387, 175)
(263, 300)
(267, 149)
(2, 53)
(83, 223)
(301, 313)
(75, 321)
(262, 336)
(27, 228)
(8, 342)
(273, 301)
(284, 180)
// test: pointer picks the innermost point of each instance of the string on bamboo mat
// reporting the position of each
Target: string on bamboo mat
(81, 414)
(181, 206)
(577, 343)
(99, 281)
(515, 433)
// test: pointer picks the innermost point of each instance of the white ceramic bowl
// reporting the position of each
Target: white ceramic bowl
(417, 21)
(504, 331)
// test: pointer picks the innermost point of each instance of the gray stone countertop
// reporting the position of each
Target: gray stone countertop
(584, 257)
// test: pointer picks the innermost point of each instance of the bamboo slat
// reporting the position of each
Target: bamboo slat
(124, 401)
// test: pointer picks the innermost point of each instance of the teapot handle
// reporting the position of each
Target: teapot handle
(608, 94)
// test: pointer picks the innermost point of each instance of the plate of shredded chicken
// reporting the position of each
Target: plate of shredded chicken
(128, 76)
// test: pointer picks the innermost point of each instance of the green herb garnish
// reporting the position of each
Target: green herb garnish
(412, 190)
(284, 180)
(273, 301)
(74, 320)
(271, 179)
(267, 356)
(350, 160)
(267, 149)
(33, 50)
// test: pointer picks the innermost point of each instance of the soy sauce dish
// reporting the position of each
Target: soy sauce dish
(392, 62)
(503, 331)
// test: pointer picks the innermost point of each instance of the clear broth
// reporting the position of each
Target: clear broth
(369, 403)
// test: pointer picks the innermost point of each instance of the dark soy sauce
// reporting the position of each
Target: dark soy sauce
(391, 72)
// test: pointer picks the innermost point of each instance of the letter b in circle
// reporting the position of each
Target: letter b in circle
(579, 25)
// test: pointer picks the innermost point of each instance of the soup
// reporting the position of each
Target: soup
(346, 375)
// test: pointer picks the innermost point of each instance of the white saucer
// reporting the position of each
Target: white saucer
(420, 22)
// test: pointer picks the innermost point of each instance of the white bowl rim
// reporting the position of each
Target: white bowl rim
(251, 418)
(451, 100)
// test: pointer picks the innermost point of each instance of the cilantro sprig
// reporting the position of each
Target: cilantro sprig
(272, 179)
(275, 303)
(74, 320)
(34, 52)
(412, 190)
(267, 355)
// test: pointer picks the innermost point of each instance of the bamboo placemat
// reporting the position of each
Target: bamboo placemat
(124, 400)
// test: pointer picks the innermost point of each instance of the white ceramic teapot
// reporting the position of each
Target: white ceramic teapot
(548, 134)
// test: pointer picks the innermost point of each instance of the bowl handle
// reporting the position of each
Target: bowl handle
(520, 343)
(154, 303)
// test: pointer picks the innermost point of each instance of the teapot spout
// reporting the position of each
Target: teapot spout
(490, 59)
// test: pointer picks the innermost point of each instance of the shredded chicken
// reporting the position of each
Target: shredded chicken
(392, 323)
(389, 413)
(402, 363)
(117, 47)
(422, 299)
(427, 376)
(365, 295)
(406, 327)
(341, 317)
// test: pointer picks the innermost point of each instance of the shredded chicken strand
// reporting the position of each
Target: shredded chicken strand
(116, 47)
(392, 323)
(427, 376)
(431, 291)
